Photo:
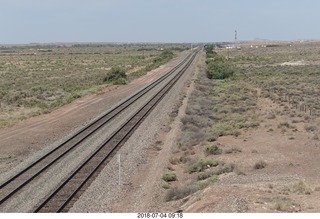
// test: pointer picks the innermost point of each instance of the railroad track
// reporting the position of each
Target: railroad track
(17, 182)
(61, 199)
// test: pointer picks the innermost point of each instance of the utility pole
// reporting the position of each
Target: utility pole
(119, 162)
(235, 38)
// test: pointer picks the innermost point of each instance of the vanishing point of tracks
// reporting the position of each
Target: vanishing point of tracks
(64, 196)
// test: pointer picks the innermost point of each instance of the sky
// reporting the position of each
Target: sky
(45, 21)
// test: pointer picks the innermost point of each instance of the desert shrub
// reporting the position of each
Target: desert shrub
(260, 165)
(212, 149)
(166, 186)
(219, 70)
(212, 137)
(214, 178)
(178, 160)
(205, 182)
(120, 81)
(251, 124)
(226, 128)
(225, 168)
(210, 53)
(115, 74)
(203, 176)
(285, 204)
(208, 162)
(233, 150)
(302, 188)
(284, 124)
(195, 120)
(217, 66)
(203, 164)
(179, 193)
(202, 184)
(310, 128)
(168, 177)
(190, 138)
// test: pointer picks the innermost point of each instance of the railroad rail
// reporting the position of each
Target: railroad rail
(24, 177)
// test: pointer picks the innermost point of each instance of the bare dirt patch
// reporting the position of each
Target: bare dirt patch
(294, 63)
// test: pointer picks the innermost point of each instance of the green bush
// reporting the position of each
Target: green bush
(166, 186)
(203, 164)
(120, 81)
(203, 176)
(219, 70)
(168, 177)
(115, 74)
(217, 66)
(225, 168)
(210, 51)
(212, 149)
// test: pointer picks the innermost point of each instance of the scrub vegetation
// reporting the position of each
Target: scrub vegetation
(219, 105)
(36, 79)
(288, 75)
(217, 66)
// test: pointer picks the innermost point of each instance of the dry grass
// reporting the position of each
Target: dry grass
(37, 79)
(288, 75)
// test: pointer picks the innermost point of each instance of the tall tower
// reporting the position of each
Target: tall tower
(235, 36)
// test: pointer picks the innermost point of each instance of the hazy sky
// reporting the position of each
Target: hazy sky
(25, 21)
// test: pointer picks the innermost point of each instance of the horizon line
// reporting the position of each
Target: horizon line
(148, 42)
